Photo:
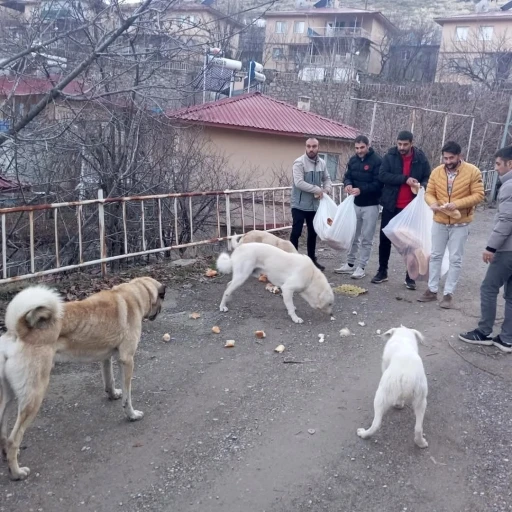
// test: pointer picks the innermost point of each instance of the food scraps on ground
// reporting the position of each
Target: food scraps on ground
(272, 289)
(345, 332)
(211, 273)
(229, 344)
(166, 337)
(260, 334)
(194, 316)
(262, 278)
(349, 289)
(279, 349)
(216, 329)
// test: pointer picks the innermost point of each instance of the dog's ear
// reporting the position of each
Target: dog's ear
(388, 334)
(419, 337)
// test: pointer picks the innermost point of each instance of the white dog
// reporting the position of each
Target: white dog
(403, 381)
(291, 272)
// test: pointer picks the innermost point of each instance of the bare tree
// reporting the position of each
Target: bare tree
(479, 56)
(409, 53)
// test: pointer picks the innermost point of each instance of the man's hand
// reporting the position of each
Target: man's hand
(435, 207)
(355, 192)
(487, 256)
(348, 189)
(320, 194)
(450, 207)
(411, 182)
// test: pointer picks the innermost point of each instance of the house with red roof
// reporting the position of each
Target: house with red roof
(263, 136)
(18, 93)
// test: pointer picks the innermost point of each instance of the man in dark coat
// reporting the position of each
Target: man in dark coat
(403, 167)
(362, 181)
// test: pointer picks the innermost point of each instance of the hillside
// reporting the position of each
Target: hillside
(418, 9)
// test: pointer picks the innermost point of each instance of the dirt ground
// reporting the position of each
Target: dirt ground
(247, 430)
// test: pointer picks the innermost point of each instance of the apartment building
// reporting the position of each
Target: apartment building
(325, 42)
(476, 47)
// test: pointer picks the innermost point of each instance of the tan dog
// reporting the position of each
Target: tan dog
(262, 237)
(42, 329)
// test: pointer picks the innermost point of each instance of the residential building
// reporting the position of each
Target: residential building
(323, 43)
(202, 25)
(263, 136)
(477, 47)
(18, 94)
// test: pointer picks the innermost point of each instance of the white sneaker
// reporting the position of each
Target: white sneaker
(358, 273)
(344, 269)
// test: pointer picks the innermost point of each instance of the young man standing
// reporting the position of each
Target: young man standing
(310, 181)
(498, 254)
(362, 181)
(453, 186)
(403, 167)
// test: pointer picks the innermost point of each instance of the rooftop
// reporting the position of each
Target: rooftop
(26, 86)
(259, 113)
(476, 16)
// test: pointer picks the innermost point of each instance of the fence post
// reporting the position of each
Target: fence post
(103, 245)
(228, 218)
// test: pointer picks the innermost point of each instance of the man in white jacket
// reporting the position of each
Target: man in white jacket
(310, 181)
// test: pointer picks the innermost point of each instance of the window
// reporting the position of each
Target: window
(456, 64)
(299, 27)
(278, 54)
(405, 55)
(331, 162)
(485, 33)
(187, 19)
(280, 27)
(461, 33)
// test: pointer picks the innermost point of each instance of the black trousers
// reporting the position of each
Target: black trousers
(385, 242)
(298, 217)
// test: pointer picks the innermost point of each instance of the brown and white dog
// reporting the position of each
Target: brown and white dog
(41, 329)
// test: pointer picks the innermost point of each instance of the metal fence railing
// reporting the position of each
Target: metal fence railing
(46, 239)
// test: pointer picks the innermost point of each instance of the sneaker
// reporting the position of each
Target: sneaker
(346, 268)
(447, 303)
(502, 345)
(428, 296)
(358, 273)
(380, 277)
(475, 337)
(318, 266)
(410, 284)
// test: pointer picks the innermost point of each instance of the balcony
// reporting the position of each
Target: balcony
(338, 32)
(326, 60)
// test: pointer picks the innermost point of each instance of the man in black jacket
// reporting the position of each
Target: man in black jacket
(362, 181)
(403, 167)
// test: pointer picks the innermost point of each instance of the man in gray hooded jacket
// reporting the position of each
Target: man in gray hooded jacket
(498, 254)
(310, 181)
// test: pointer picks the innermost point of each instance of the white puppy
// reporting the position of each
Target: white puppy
(291, 272)
(403, 381)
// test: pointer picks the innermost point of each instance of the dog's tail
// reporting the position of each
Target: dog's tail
(34, 308)
(224, 263)
(236, 241)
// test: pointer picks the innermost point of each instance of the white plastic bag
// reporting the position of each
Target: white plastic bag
(411, 234)
(336, 225)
